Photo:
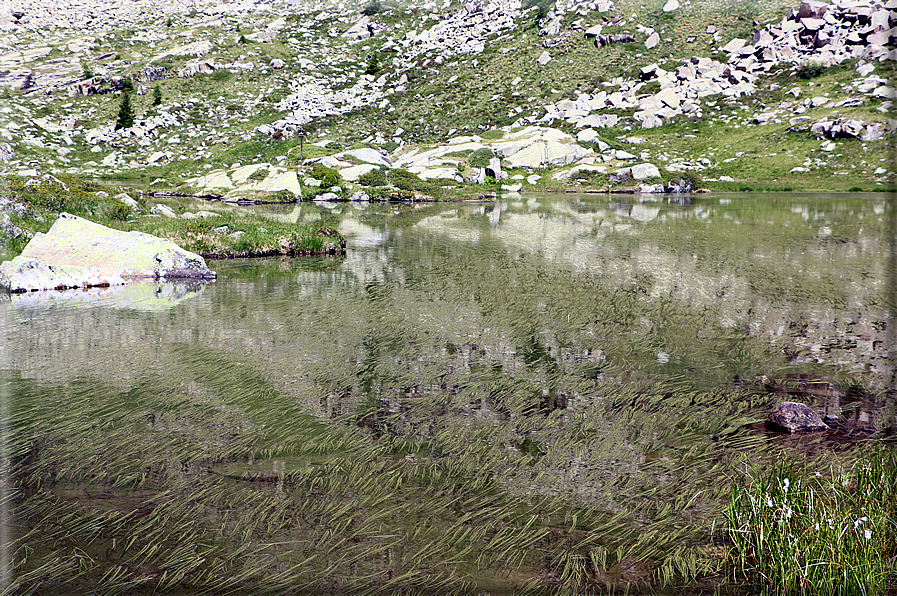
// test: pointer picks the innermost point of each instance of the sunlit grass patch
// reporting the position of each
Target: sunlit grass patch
(799, 531)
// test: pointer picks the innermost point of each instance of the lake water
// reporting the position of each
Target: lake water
(543, 391)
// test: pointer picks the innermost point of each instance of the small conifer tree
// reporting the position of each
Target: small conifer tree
(157, 96)
(125, 113)
(373, 66)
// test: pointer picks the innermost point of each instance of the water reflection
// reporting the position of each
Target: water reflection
(136, 294)
(487, 370)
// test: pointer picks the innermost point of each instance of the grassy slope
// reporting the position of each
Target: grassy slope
(218, 112)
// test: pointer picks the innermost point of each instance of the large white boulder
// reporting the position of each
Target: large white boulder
(77, 252)
(23, 274)
(280, 181)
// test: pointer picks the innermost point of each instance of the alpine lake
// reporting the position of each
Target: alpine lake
(539, 394)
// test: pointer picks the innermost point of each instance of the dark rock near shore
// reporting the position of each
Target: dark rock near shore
(794, 417)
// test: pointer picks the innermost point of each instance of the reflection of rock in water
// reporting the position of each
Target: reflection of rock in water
(138, 295)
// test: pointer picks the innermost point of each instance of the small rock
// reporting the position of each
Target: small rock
(544, 59)
(159, 209)
(794, 417)
(671, 5)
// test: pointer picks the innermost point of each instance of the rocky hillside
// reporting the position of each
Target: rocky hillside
(241, 98)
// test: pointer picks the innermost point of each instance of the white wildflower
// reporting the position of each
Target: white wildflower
(786, 483)
(817, 526)
(768, 500)
(867, 533)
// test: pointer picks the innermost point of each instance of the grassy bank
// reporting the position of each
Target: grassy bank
(212, 234)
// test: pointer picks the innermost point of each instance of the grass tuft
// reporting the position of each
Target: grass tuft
(797, 531)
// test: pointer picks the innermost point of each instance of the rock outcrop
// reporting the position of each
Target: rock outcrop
(794, 417)
(79, 253)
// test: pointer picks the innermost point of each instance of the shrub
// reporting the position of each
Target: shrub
(480, 158)
(125, 113)
(373, 178)
(373, 66)
(409, 181)
(371, 8)
(86, 72)
(127, 84)
(157, 96)
(328, 176)
(810, 70)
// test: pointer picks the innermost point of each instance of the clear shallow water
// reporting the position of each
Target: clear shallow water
(477, 391)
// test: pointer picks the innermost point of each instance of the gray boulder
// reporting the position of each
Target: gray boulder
(643, 171)
(164, 210)
(127, 200)
(794, 417)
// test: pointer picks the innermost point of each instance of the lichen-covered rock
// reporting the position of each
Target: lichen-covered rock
(93, 251)
(23, 274)
(795, 417)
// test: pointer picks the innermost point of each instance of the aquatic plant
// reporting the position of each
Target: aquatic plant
(799, 531)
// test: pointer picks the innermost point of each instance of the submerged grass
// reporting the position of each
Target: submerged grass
(795, 530)
(471, 412)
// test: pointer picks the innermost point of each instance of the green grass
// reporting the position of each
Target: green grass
(796, 530)
(226, 236)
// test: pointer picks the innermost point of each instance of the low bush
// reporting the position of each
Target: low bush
(328, 176)
(373, 178)
(373, 65)
(810, 70)
(371, 8)
(480, 158)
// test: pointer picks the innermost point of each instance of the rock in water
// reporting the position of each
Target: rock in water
(101, 254)
(794, 417)
(23, 275)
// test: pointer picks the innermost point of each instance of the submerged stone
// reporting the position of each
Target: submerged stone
(795, 417)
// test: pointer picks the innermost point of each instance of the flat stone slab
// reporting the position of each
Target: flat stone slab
(80, 253)
(794, 417)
